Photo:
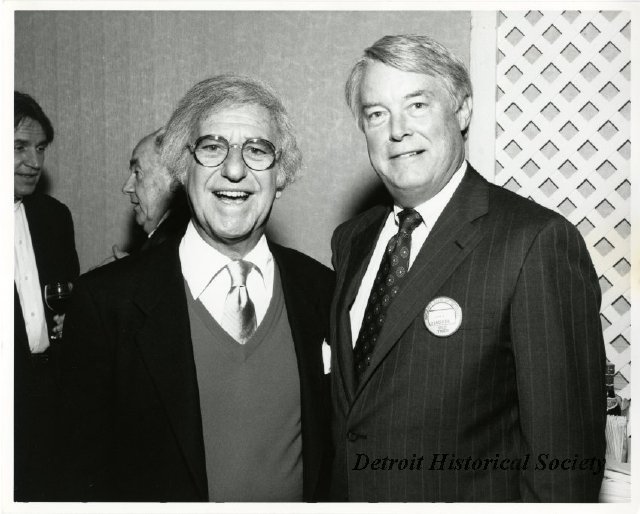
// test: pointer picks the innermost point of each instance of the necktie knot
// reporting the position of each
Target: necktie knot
(238, 271)
(409, 220)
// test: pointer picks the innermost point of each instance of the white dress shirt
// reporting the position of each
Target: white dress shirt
(202, 264)
(27, 280)
(430, 212)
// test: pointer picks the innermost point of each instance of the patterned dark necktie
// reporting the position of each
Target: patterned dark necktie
(239, 317)
(392, 271)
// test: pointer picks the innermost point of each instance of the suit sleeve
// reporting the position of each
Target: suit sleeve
(559, 356)
(87, 386)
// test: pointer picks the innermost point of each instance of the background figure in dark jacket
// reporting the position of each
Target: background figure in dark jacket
(159, 202)
(44, 252)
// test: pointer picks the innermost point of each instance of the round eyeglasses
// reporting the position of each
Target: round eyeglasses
(210, 151)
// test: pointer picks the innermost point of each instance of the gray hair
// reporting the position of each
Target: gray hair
(154, 137)
(215, 94)
(418, 54)
(157, 136)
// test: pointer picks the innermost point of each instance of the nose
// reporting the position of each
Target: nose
(127, 187)
(399, 127)
(34, 159)
(234, 168)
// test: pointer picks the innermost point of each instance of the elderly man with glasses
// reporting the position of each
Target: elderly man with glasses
(194, 370)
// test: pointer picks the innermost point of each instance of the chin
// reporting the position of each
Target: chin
(233, 236)
(24, 191)
(232, 228)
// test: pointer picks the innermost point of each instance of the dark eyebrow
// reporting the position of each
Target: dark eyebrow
(133, 162)
(366, 106)
(412, 94)
(419, 92)
(26, 142)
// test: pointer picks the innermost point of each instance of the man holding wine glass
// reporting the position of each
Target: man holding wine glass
(45, 264)
(195, 369)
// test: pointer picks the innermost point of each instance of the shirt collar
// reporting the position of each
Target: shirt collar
(201, 262)
(17, 205)
(164, 217)
(433, 207)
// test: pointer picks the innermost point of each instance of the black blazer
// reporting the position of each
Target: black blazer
(524, 374)
(129, 372)
(35, 387)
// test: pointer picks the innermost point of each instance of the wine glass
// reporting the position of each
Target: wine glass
(56, 295)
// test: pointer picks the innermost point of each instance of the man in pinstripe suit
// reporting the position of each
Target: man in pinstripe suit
(468, 360)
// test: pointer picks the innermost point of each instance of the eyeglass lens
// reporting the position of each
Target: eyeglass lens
(257, 154)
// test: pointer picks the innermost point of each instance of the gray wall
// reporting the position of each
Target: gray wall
(107, 78)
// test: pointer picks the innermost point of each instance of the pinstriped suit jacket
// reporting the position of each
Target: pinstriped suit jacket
(522, 379)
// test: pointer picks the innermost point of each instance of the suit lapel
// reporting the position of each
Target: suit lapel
(451, 240)
(306, 331)
(362, 247)
(164, 339)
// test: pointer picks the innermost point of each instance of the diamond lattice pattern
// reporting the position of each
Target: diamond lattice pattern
(563, 139)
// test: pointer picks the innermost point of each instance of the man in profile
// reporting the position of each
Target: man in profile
(45, 252)
(194, 369)
(465, 333)
(159, 202)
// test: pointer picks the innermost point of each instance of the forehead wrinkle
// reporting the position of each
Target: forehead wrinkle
(28, 141)
(30, 128)
(239, 124)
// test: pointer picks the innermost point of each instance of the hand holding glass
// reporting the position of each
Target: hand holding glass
(56, 295)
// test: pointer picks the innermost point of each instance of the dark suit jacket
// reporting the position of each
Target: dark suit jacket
(524, 374)
(129, 372)
(35, 387)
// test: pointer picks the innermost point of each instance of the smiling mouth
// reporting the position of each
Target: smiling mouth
(232, 196)
(406, 154)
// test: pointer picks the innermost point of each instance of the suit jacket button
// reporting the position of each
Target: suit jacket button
(352, 436)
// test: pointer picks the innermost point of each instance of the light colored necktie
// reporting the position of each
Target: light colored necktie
(239, 318)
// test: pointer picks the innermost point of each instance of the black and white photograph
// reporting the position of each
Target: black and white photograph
(319, 256)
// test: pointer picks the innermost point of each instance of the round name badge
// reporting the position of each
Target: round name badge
(442, 316)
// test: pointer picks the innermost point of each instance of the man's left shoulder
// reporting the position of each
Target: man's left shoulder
(522, 213)
(301, 260)
(300, 263)
(45, 202)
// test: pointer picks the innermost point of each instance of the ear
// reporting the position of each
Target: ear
(281, 180)
(464, 113)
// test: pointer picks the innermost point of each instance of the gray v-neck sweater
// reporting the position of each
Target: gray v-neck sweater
(250, 404)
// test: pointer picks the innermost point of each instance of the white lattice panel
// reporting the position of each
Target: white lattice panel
(563, 139)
